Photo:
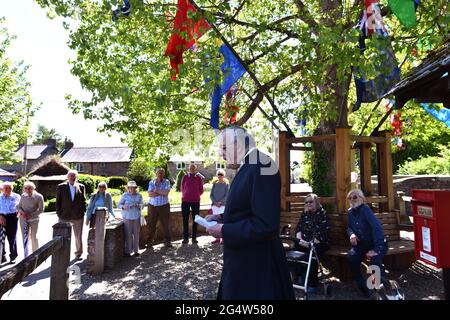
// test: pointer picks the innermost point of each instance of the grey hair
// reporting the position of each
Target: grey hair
(72, 171)
(7, 183)
(160, 169)
(358, 193)
(220, 171)
(29, 184)
(102, 183)
(242, 136)
(316, 200)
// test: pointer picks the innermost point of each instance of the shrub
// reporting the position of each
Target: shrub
(428, 165)
(88, 182)
(117, 182)
(140, 172)
(50, 205)
(180, 176)
(18, 185)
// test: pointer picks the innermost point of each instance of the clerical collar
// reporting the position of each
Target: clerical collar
(243, 159)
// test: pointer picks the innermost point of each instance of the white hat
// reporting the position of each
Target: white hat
(132, 184)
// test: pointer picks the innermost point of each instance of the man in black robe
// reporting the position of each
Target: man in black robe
(254, 263)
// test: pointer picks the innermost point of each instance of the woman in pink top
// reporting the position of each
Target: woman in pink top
(191, 190)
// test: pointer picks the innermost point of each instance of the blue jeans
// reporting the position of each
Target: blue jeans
(357, 255)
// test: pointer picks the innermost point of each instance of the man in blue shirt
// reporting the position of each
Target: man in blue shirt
(159, 207)
(366, 237)
(8, 220)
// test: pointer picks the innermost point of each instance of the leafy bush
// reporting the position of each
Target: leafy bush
(180, 176)
(50, 205)
(140, 172)
(90, 182)
(117, 182)
(428, 165)
(18, 185)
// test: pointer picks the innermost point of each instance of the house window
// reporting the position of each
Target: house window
(181, 166)
(103, 165)
(220, 165)
(79, 167)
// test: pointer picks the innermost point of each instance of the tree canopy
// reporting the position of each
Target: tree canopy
(302, 54)
(15, 100)
(43, 134)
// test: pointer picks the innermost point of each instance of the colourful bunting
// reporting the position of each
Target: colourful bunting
(442, 115)
(186, 33)
(232, 70)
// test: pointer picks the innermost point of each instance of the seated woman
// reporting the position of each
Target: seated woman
(101, 198)
(312, 226)
(366, 236)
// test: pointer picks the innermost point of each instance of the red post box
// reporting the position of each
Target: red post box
(431, 213)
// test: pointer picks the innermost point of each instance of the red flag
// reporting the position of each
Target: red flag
(186, 32)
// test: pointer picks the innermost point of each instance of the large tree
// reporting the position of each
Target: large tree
(300, 55)
(15, 101)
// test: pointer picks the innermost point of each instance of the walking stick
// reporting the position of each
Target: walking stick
(25, 237)
(2, 240)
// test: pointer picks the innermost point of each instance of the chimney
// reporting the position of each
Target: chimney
(67, 146)
(51, 142)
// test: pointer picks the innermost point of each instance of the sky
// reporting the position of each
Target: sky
(42, 44)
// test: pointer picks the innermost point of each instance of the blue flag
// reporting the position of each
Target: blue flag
(442, 115)
(232, 70)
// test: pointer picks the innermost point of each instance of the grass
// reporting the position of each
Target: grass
(174, 196)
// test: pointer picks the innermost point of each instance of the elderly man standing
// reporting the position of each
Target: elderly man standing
(31, 205)
(254, 262)
(8, 221)
(159, 207)
(71, 206)
(191, 191)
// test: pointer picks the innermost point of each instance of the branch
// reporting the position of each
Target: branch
(239, 9)
(306, 16)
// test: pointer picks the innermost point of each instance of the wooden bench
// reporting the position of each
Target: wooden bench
(400, 255)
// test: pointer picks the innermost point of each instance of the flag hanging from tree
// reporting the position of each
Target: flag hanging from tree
(405, 11)
(442, 115)
(232, 70)
(185, 34)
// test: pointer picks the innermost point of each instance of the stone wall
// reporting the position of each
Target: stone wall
(175, 226)
(107, 169)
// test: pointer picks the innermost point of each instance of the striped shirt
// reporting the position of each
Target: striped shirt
(158, 200)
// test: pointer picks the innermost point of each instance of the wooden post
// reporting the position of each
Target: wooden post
(384, 162)
(285, 169)
(99, 247)
(366, 168)
(59, 289)
(343, 167)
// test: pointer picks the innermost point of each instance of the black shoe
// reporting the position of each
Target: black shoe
(127, 255)
(78, 257)
(185, 241)
(136, 254)
(194, 241)
(12, 261)
(168, 245)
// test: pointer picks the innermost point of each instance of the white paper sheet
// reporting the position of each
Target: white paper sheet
(203, 222)
(218, 210)
(426, 239)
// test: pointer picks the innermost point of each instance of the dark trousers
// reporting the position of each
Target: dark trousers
(186, 207)
(357, 255)
(299, 269)
(11, 231)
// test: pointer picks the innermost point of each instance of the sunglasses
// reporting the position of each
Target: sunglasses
(220, 174)
(353, 198)
(309, 202)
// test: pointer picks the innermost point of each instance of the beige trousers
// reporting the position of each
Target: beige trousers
(77, 227)
(32, 232)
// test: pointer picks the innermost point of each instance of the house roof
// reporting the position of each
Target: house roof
(98, 154)
(49, 167)
(4, 173)
(428, 81)
(33, 151)
(49, 178)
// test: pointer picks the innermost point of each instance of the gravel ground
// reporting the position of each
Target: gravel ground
(192, 272)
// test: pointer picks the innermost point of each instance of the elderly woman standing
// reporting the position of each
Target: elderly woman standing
(366, 236)
(219, 193)
(313, 225)
(101, 198)
(131, 204)
(30, 206)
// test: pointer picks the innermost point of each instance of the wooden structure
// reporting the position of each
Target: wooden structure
(401, 253)
(97, 256)
(59, 249)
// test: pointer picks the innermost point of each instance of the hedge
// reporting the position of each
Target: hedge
(117, 182)
(50, 205)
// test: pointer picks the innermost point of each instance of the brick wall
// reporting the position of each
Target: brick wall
(104, 169)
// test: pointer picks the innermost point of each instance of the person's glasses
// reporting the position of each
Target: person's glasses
(309, 202)
(102, 187)
(27, 188)
(220, 174)
(353, 198)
